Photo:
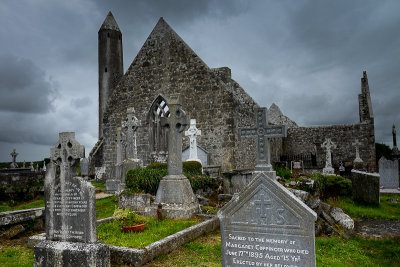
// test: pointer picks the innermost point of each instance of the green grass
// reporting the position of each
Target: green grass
(358, 252)
(206, 251)
(98, 185)
(105, 207)
(35, 203)
(17, 256)
(385, 210)
(112, 233)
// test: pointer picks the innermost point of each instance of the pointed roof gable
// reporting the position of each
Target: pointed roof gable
(109, 23)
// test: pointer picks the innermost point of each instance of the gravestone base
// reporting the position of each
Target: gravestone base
(114, 185)
(177, 198)
(328, 171)
(56, 253)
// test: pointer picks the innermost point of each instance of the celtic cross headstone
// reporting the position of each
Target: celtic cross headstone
(192, 133)
(14, 155)
(262, 133)
(329, 147)
(357, 145)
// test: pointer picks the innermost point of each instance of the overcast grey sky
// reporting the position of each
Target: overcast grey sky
(305, 56)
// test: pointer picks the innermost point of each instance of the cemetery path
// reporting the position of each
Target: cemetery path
(368, 228)
(102, 195)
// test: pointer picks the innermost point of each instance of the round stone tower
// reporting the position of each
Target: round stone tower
(111, 66)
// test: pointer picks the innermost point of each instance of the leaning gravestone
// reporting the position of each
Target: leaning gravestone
(265, 224)
(389, 173)
(70, 207)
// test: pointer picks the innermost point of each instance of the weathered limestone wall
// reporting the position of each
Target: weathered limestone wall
(166, 65)
(309, 140)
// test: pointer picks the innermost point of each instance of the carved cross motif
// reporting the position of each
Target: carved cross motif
(193, 132)
(174, 125)
(130, 125)
(329, 146)
(357, 144)
(67, 149)
(260, 207)
(263, 133)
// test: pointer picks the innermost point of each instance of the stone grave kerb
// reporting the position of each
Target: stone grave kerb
(192, 133)
(262, 133)
(175, 124)
(266, 210)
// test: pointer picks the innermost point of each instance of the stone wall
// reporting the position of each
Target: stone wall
(309, 140)
(21, 186)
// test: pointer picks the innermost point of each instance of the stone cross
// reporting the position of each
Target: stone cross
(329, 146)
(263, 133)
(67, 150)
(131, 124)
(193, 132)
(357, 144)
(174, 125)
(14, 155)
(44, 166)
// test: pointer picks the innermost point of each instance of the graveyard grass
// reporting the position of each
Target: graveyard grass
(112, 233)
(385, 210)
(334, 251)
(104, 207)
(16, 256)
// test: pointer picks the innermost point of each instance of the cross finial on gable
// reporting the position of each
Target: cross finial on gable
(263, 133)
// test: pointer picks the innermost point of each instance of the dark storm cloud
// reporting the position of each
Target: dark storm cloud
(24, 86)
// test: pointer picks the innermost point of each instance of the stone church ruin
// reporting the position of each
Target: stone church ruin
(166, 65)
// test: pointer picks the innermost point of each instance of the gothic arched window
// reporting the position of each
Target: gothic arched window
(158, 135)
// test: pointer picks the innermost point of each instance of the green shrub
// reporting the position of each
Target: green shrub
(193, 167)
(157, 166)
(144, 180)
(332, 186)
(283, 172)
(201, 181)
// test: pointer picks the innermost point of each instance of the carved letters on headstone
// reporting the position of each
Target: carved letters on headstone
(263, 133)
(265, 225)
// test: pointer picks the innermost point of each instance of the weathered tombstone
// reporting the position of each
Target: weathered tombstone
(329, 146)
(192, 133)
(130, 126)
(116, 182)
(70, 207)
(14, 155)
(389, 173)
(99, 172)
(37, 168)
(342, 169)
(84, 167)
(44, 166)
(365, 187)
(357, 145)
(174, 191)
(31, 167)
(297, 166)
(262, 133)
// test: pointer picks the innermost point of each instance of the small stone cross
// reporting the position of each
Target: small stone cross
(357, 144)
(329, 146)
(14, 155)
(263, 133)
(131, 124)
(174, 125)
(67, 149)
(193, 132)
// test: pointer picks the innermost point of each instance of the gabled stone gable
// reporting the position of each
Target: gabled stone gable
(166, 65)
